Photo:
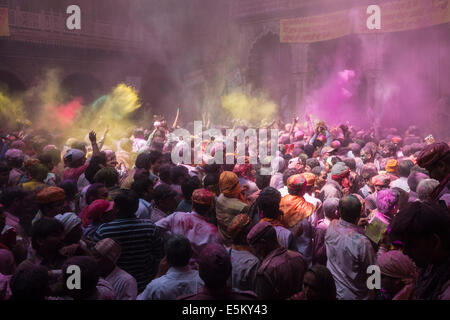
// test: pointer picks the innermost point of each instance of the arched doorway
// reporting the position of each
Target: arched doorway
(159, 91)
(82, 85)
(270, 64)
(11, 84)
(336, 84)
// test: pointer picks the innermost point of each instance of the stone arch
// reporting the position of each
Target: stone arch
(10, 82)
(83, 85)
(270, 68)
(257, 35)
(159, 90)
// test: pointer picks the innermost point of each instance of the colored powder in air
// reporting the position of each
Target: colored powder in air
(110, 110)
(11, 111)
(99, 102)
(252, 109)
(66, 114)
(122, 101)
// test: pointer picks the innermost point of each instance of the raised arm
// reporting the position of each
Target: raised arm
(93, 139)
(174, 125)
(294, 122)
(103, 138)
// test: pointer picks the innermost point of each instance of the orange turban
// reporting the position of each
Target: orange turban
(229, 185)
(392, 166)
(310, 178)
(50, 194)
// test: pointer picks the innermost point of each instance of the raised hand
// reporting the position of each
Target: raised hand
(92, 136)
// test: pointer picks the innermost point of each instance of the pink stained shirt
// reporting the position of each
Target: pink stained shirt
(194, 227)
(75, 173)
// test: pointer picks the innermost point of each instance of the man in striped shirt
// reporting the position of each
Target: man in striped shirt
(141, 241)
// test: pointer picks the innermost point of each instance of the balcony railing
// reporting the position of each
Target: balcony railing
(50, 28)
(245, 8)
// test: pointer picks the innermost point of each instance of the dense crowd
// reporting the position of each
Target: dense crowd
(140, 227)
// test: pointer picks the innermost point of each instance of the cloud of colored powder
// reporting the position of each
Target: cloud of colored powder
(251, 109)
(48, 109)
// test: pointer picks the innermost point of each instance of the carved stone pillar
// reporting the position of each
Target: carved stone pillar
(299, 76)
(372, 58)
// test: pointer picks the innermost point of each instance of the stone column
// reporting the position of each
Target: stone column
(372, 60)
(299, 76)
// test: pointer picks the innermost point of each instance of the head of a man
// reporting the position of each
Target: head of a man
(350, 209)
(331, 208)
(425, 188)
(155, 159)
(178, 251)
(404, 168)
(436, 159)
(96, 191)
(12, 200)
(14, 158)
(397, 270)
(179, 174)
(214, 266)
(72, 227)
(262, 238)
(318, 284)
(189, 185)
(29, 282)
(296, 185)
(47, 235)
(388, 201)
(108, 176)
(144, 188)
(75, 158)
(423, 227)
(239, 228)
(126, 204)
(90, 274)
(414, 179)
(52, 201)
(164, 197)
(106, 253)
(268, 203)
(203, 202)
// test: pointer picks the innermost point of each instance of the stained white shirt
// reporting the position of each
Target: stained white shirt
(175, 283)
(311, 199)
(401, 183)
(194, 227)
(243, 272)
(123, 283)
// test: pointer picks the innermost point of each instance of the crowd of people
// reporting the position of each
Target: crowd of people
(140, 227)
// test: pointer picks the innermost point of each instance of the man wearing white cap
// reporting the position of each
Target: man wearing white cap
(76, 164)
(73, 245)
(75, 159)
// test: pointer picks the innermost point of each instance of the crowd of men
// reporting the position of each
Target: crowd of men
(139, 227)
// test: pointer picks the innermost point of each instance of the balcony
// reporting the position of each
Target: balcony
(242, 9)
(247, 10)
(49, 28)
